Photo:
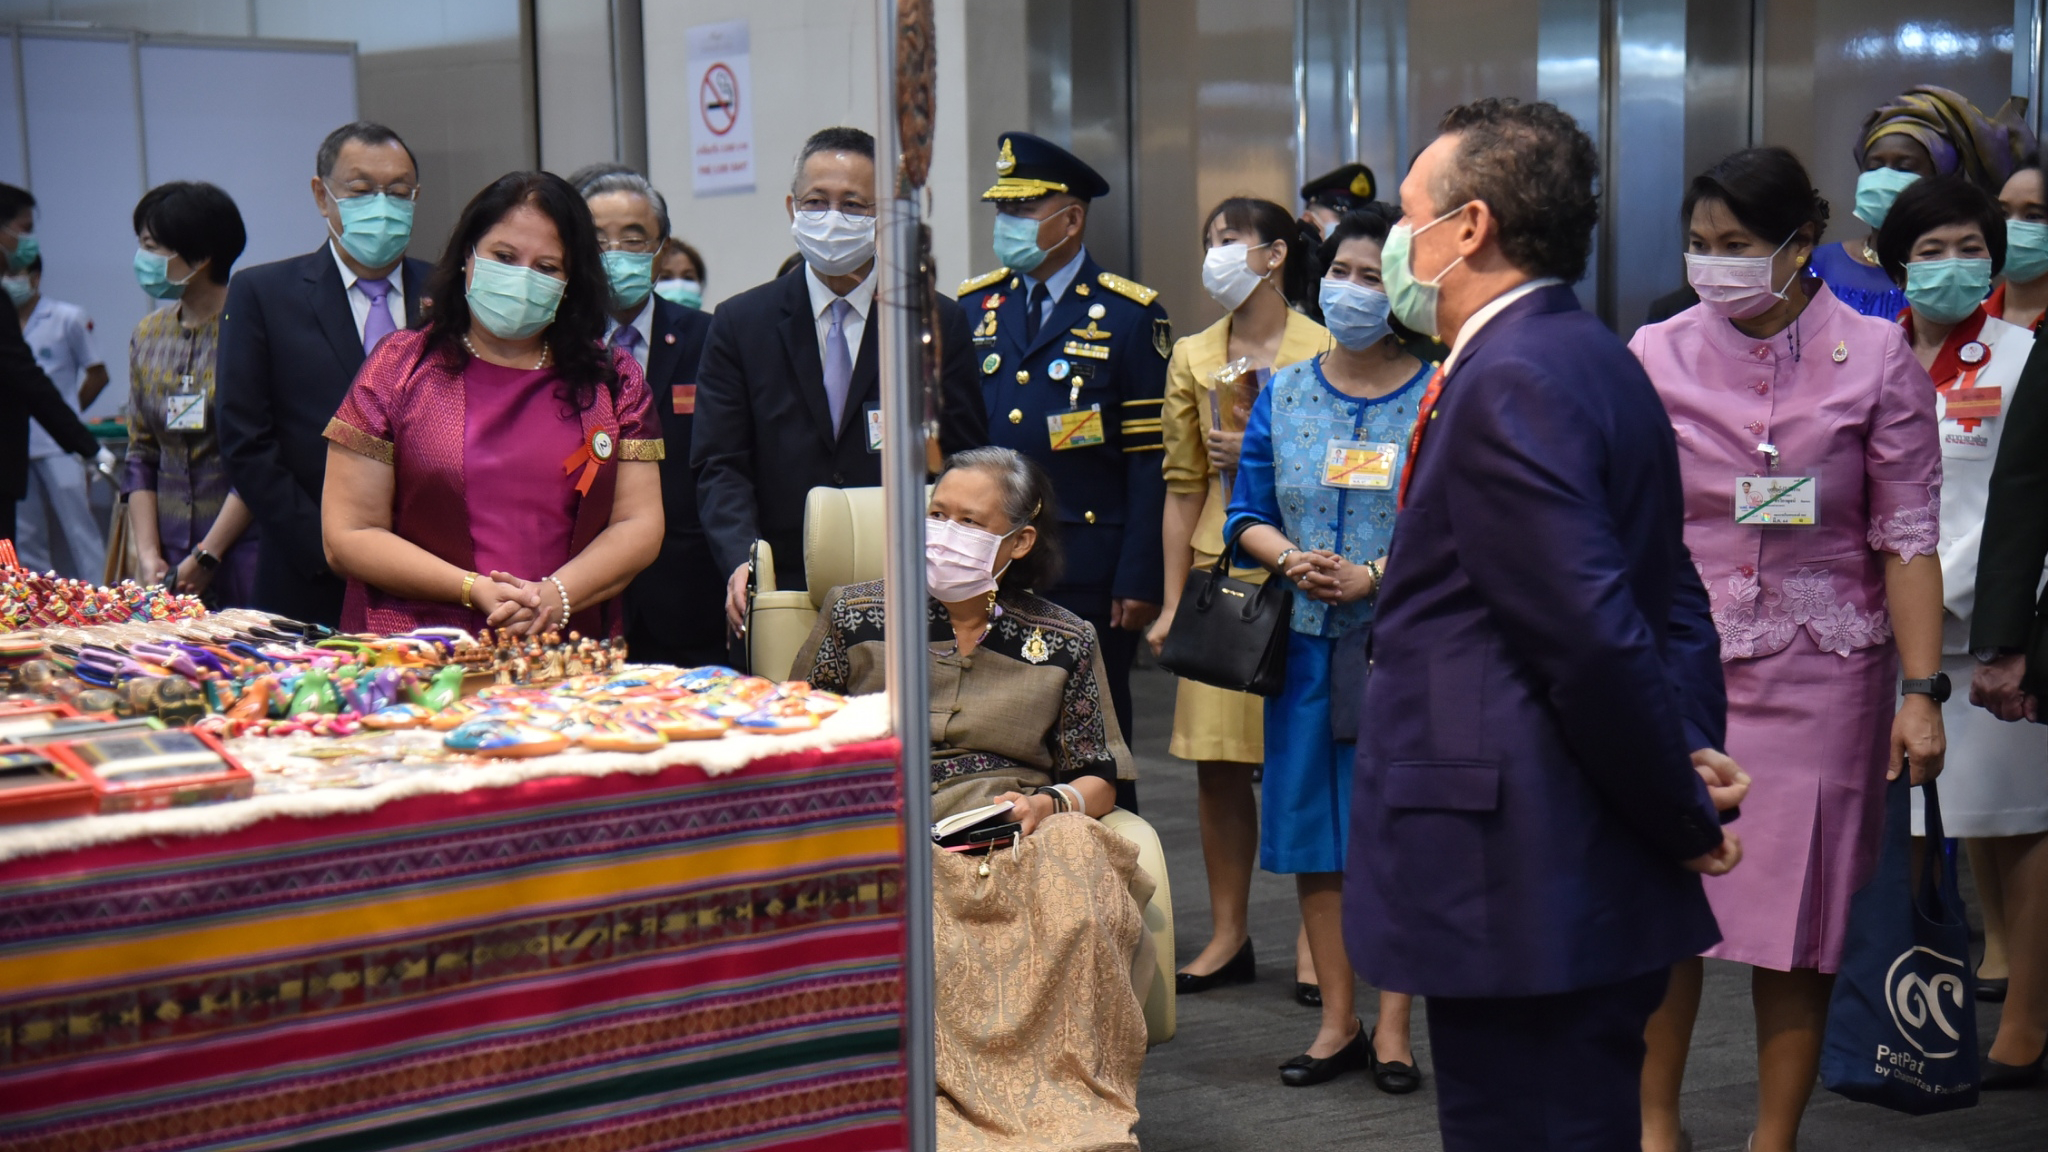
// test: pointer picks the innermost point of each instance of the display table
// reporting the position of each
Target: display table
(632, 957)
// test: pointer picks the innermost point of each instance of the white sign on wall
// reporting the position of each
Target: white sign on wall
(722, 129)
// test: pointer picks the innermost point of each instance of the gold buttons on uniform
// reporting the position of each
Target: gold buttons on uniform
(1016, 415)
(1088, 516)
(1023, 376)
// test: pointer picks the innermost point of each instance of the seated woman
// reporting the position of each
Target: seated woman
(1040, 1030)
(498, 466)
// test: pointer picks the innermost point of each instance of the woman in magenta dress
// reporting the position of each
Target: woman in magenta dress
(499, 465)
(1806, 440)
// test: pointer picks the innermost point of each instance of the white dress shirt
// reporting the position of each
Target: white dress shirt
(359, 300)
(856, 323)
(642, 323)
(1493, 308)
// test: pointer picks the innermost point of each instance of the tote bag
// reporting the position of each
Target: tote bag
(1902, 1024)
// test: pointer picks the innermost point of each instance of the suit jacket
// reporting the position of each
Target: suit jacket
(26, 392)
(288, 353)
(1543, 665)
(763, 436)
(675, 609)
(2010, 607)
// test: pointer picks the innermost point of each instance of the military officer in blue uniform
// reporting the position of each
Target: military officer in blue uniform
(1073, 366)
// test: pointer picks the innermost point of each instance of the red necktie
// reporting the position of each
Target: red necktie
(1423, 415)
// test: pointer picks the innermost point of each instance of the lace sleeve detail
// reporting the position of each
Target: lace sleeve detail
(1909, 532)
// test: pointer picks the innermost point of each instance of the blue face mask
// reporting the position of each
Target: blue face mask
(631, 275)
(1017, 242)
(153, 272)
(511, 302)
(374, 229)
(26, 250)
(1877, 189)
(2026, 251)
(1355, 315)
(688, 293)
(19, 289)
(1945, 291)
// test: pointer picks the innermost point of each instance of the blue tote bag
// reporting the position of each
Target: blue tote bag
(1902, 1025)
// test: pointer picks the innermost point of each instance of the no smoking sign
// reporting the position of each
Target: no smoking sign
(718, 99)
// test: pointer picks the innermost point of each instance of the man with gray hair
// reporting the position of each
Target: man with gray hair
(292, 336)
(788, 397)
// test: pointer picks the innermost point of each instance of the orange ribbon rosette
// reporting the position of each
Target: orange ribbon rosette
(596, 450)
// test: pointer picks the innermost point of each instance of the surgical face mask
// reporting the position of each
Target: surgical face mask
(1945, 291)
(1737, 287)
(1414, 301)
(959, 559)
(1877, 189)
(511, 302)
(152, 271)
(26, 249)
(1355, 314)
(2026, 251)
(19, 289)
(1017, 241)
(374, 229)
(1228, 276)
(631, 275)
(834, 243)
(688, 293)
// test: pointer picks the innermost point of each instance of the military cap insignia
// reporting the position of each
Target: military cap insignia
(1006, 160)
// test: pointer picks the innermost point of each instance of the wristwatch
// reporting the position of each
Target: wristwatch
(1935, 686)
(205, 559)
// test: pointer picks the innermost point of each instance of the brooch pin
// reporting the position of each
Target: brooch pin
(1842, 352)
(1972, 353)
(1035, 648)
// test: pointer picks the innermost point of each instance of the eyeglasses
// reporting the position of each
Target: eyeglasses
(397, 190)
(637, 245)
(850, 206)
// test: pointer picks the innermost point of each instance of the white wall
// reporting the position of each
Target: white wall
(813, 65)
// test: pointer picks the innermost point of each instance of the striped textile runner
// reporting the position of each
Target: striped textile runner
(599, 963)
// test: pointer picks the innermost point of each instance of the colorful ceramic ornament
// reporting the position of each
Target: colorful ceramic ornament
(397, 717)
(504, 739)
(622, 736)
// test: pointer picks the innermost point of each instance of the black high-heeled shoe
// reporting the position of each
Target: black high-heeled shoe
(1304, 1070)
(1394, 1077)
(1239, 969)
(1999, 1077)
(1992, 991)
(1308, 995)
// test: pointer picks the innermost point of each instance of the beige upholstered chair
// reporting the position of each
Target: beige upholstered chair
(843, 544)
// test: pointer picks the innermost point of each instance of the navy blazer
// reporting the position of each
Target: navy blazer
(675, 609)
(1543, 665)
(288, 353)
(763, 435)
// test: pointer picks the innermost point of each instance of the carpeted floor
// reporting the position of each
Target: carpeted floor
(1216, 1085)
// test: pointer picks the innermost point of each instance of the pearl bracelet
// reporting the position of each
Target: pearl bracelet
(564, 594)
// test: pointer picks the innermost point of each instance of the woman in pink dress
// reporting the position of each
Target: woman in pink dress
(1806, 438)
(499, 465)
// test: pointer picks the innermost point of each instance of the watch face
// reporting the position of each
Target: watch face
(1940, 685)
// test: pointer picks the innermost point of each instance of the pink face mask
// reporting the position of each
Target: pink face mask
(1736, 287)
(959, 558)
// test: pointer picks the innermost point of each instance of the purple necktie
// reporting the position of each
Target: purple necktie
(838, 363)
(378, 324)
(627, 337)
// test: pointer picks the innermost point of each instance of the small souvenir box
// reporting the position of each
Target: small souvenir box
(139, 771)
(19, 718)
(33, 787)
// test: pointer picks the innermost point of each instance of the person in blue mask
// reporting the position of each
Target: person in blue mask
(2021, 298)
(295, 333)
(1073, 370)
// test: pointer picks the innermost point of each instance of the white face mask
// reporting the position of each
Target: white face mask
(959, 559)
(1736, 287)
(834, 243)
(1228, 277)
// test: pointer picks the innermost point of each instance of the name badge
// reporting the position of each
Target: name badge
(1777, 501)
(873, 412)
(185, 412)
(1079, 428)
(684, 397)
(1360, 465)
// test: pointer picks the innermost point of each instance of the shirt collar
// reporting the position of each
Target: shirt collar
(862, 297)
(642, 323)
(1492, 308)
(1058, 283)
(349, 277)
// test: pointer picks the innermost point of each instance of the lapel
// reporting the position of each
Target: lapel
(800, 342)
(416, 273)
(328, 301)
(867, 370)
(665, 348)
(1208, 347)
(1068, 312)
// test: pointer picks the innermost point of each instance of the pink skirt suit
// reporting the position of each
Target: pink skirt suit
(1806, 641)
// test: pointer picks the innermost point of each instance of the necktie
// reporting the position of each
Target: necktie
(627, 337)
(378, 324)
(1423, 415)
(1035, 311)
(838, 363)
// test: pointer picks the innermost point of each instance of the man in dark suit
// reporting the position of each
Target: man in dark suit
(1531, 809)
(674, 607)
(2009, 629)
(25, 390)
(292, 337)
(788, 393)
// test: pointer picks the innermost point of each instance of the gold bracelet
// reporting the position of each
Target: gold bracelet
(468, 582)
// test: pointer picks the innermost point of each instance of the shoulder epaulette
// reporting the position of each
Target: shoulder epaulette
(1130, 288)
(981, 281)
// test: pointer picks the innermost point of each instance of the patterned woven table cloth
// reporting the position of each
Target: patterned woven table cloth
(606, 962)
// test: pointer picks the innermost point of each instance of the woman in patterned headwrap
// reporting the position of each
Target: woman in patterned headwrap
(1926, 131)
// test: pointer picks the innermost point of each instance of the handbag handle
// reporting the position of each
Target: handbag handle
(1934, 858)
(1270, 589)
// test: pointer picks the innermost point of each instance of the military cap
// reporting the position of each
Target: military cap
(1030, 167)
(1351, 186)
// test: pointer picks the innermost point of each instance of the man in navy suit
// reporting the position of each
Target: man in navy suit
(675, 606)
(1538, 768)
(291, 339)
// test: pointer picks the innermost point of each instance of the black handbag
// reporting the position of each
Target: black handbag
(1230, 633)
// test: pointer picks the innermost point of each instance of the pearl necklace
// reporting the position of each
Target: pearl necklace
(546, 353)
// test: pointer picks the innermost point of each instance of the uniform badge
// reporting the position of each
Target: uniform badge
(601, 445)
(1057, 370)
(1096, 311)
(987, 328)
(1162, 337)
(1973, 353)
(1080, 290)
(1091, 332)
(992, 301)
(1006, 160)
(990, 363)
(1091, 351)
(1036, 650)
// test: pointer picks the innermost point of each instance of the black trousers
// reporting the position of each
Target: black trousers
(1543, 1073)
(1119, 649)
